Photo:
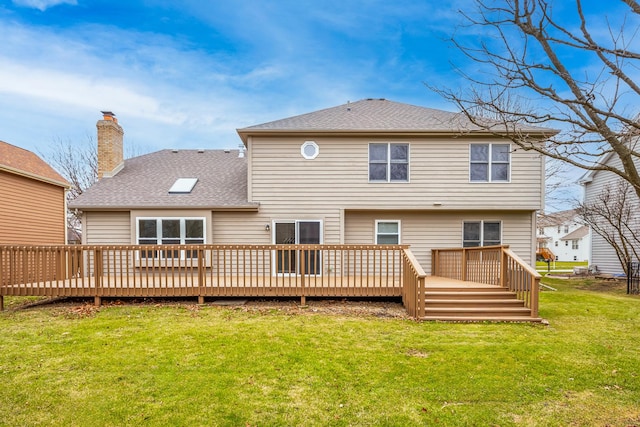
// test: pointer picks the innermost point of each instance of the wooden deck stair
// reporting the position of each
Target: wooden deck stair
(475, 304)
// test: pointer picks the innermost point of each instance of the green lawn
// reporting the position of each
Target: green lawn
(180, 364)
(560, 265)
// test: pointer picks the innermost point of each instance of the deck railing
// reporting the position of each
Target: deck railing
(413, 279)
(492, 265)
(254, 271)
(202, 270)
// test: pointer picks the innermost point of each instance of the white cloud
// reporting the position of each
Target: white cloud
(43, 5)
(52, 86)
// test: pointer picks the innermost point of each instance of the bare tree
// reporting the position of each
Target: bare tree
(523, 54)
(78, 164)
(615, 216)
(560, 188)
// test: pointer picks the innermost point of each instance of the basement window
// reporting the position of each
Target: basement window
(183, 186)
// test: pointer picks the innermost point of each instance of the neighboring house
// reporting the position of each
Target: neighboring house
(564, 236)
(368, 172)
(33, 208)
(602, 185)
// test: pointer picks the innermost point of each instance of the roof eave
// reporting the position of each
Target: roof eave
(89, 208)
(244, 133)
(15, 171)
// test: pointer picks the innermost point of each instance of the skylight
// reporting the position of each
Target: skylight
(183, 186)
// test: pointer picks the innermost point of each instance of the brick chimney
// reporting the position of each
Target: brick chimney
(110, 138)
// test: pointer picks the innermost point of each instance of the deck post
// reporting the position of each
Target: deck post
(422, 294)
(504, 260)
(463, 266)
(535, 294)
(61, 265)
(1, 302)
(303, 271)
(97, 273)
(201, 276)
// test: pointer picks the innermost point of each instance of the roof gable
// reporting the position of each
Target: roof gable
(557, 218)
(376, 115)
(24, 162)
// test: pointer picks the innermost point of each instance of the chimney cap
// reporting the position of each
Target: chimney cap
(108, 115)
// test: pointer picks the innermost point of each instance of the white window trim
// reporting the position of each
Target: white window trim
(375, 230)
(183, 233)
(489, 180)
(388, 180)
(309, 144)
(482, 221)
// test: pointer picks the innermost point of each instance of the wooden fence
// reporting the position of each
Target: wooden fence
(492, 265)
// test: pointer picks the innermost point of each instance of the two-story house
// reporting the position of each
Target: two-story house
(564, 236)
(33, 208)
(608, 195)
(367, 172)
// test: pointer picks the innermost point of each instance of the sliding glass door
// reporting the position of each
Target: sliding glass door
(298, 233)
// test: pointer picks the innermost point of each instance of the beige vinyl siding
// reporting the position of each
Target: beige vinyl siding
(339, 176)
(426, 230)
(106, 228)
(249, 227)
(603, 256)
(31, 212)
(242, 228)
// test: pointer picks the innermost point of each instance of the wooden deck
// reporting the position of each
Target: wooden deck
(472, 284)
(246, 285)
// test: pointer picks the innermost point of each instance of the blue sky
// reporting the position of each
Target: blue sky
(186, 74)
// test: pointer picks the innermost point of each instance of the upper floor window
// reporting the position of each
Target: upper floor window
(566, 228)
(388, 162)
(489, 162)
(387, 232)
(481, 233)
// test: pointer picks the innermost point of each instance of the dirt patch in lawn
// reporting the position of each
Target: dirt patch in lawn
(341, 307)
(615, 286)
(83, 307)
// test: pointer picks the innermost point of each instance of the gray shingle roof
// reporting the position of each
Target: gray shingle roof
(144, 182)
(577, 234)
(556, 218)
(375, 115)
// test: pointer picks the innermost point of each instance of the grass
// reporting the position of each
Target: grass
(560, 265)
(182, 364)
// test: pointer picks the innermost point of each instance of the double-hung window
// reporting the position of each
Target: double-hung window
(489, 162)
(387, 232)
(481, 233)
(388, 162)
(170, 231)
